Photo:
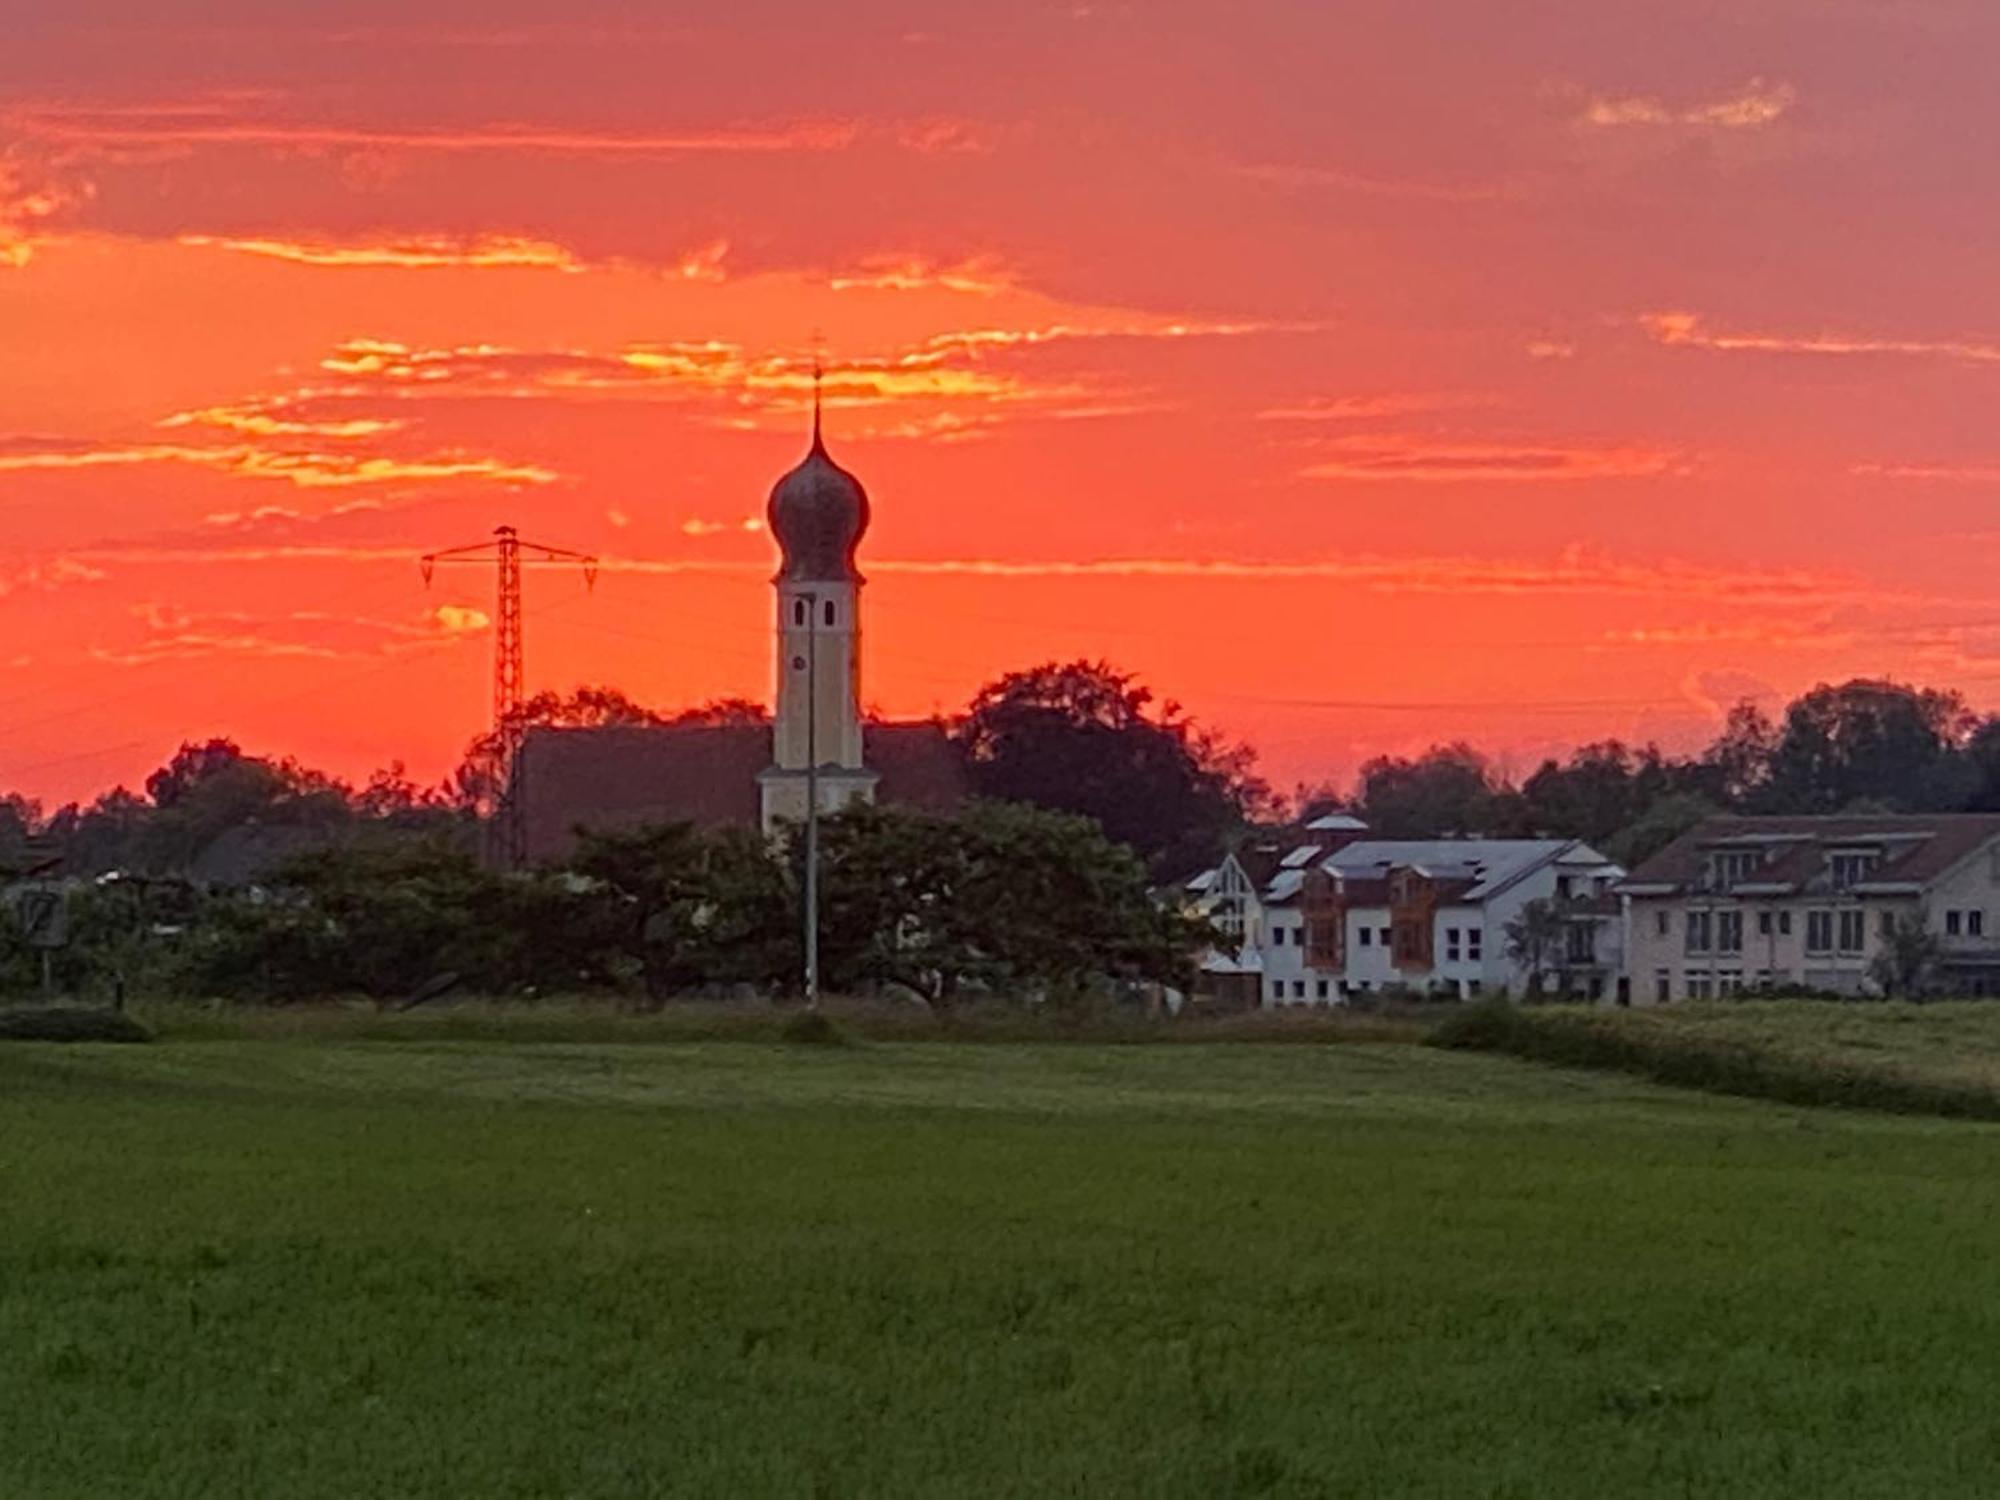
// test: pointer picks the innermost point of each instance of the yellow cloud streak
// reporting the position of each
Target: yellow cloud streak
(306, 470)
(503, 252)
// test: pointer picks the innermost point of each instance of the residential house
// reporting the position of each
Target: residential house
(1742, 904)
(1329, 913)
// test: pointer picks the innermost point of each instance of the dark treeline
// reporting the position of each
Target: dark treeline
(1083, 738)
(1003, 899)
(1858, 747)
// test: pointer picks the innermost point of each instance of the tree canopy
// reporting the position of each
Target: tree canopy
(1081, 737)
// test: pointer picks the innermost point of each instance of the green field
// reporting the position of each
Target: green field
(315, 1265)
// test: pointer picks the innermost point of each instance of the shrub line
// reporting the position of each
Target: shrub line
(1605, 1043)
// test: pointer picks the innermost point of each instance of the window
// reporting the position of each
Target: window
(1733, 865)
(1277, 989)
(1451, 945)
(1763, 924)
(1700, 931)
(1784, 924)
(1663, 923)
(1472, 989)
(1850, 869)
(1322, 989)
(1887, 924)
(1819, 932)
(1385, 937)
(1698, 987)
(1975, 924)
(1729, 932)
(1298, 989)
(1853, 931)
(1950, 923)
(1473, 937)
(1729, 984)
(829, 612)
(1663, 985)
(798, 611)
(1367, 936)
(1277, 936)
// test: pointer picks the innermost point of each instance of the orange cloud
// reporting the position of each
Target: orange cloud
(1755, 105)
(1393, 404)
(176, 634)
(28, 201)
(1376, 187)
(423, 252)
(215, 125)
(306, 470)
(255, 419)
(1435, 460)
(1688, 330)
(979, 278)
(1946, 473)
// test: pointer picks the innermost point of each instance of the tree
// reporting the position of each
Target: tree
(1535, 939)
(1736, 768)
(1449, 789)
(1080, 737)
(377, 917)
(1907, 966)
(1601, 789)
(1658, 826)
(689, 907)
(1867, 740)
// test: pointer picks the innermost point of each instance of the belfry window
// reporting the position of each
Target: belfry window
(798, 611)
(829, 611)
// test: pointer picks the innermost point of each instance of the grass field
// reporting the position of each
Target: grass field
(318, 1265)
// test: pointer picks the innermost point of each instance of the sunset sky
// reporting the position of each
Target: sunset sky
(1363, 373)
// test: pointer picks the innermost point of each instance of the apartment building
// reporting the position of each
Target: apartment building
(1743, 904)
(1323, 913)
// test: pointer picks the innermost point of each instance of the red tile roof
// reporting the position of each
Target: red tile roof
(631, 775)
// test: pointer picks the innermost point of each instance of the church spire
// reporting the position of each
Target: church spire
(818, 377)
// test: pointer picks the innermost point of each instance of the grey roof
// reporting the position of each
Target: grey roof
(1490, 864)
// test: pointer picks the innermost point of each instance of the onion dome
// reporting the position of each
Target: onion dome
(818, 513)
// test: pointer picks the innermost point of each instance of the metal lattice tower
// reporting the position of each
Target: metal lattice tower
(507, 826)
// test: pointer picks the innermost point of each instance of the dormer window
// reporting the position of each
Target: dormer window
(1730, 867)
(1851, 867)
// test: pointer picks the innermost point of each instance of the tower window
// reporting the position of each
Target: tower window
(829, 611)
(798, 611)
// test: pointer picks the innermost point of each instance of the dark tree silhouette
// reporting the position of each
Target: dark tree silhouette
(1081, 737)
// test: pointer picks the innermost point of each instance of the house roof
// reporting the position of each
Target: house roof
(1279, 861)
(1794, 852)
(626, 776)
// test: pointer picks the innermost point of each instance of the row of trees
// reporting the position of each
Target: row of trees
(1083, 738)
(1860, 746)
(1003, 899)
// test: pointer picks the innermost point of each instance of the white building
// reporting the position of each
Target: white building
(1325, 913)
(1740, 905)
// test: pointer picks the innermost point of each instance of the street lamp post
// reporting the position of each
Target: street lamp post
(811, 915)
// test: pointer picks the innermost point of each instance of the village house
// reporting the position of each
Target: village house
(1323, 913)
(1742, 904)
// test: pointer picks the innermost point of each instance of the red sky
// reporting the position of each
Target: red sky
(1362, 374)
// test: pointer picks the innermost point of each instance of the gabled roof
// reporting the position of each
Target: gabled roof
(1913, 849)
(627, 776)
(1484, 866)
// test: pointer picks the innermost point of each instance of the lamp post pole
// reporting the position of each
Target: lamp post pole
(812, 803)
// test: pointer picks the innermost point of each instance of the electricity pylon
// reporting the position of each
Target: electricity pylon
(507, 827)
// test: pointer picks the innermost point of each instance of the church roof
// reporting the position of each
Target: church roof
(626, 776)
(818, 513)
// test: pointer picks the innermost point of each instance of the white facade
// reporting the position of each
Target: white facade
(818, 694)
(1747, 904)
(1448, 936)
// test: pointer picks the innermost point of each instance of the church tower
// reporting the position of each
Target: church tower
(818, 513)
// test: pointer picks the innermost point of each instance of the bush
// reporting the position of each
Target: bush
(1657, 1052)
(67, 1023)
